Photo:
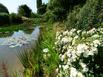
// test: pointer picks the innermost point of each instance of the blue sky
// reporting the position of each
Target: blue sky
(12, 5)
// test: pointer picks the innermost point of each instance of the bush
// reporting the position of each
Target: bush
(87, 17)
(35, 15)
(4, 19)
(15, 19)
(80, 52)
(58, 14)
(49, 16)
(60, 8)
(72, 18)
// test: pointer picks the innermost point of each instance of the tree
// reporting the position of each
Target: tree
(3, 9)
(60, 8)
(4, 19)
(39, 4)
(42, 9)
(65, 4)
(24, 10)
(15, 19)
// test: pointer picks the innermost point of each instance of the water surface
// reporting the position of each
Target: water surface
(10, 46)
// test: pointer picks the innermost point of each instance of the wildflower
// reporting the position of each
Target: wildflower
(84, 67)
(62, 57)
(76, 37)
(91, 52)
(96, 43)
(45, 50)
(73, 72)
(81, 48)
(60, 66)
(57, 70)
(84, 33)
(65, 67)
(72, 30)
(94, 50)
(78, 31)
(69, 53)
(45, 56)
(86, 53)
(65, 32)
(79, 74)
(95, 36)
(65, 40)
(91, 31)
(69, 62)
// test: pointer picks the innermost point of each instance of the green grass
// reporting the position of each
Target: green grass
(33, 59)
(8, 30)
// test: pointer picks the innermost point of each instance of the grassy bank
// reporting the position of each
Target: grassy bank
(8, 30)
(42, 60)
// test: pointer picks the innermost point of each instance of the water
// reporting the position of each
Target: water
(10, 46)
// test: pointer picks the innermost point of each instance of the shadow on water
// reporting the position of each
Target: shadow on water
(10, 46)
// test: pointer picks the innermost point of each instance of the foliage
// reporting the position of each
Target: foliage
(15, 19)
(72, 18)
(50, 56)
(3, 9)
(87, 17)
(35, 15)
(41, 60)
(39, 4)
(42, 9)
(4, 19)
(24, 10)
(58, 14)
(60, 8)
(65, 4)
(49, 16)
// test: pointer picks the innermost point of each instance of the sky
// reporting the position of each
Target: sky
(12, 5)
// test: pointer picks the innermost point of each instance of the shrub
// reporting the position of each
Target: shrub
(80, 52)
(15, 19)
(72, 18)
(35, 15)
(4, 19)
(58, 14)
(88, 16)
(60, 8)
(49, 16)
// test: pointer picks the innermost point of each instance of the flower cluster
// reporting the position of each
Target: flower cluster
(74, 47)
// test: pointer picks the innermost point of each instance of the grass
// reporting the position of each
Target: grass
(35, 65)
(8, 30)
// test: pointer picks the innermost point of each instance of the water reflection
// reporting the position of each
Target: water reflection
(10, 46)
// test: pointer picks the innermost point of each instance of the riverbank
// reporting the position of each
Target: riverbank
(8, 30)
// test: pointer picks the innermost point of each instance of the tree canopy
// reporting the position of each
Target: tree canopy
(3, 9)
(24, 10)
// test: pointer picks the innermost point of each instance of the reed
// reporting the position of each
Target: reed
(5, 70)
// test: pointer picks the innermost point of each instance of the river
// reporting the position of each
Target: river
(10, 46)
